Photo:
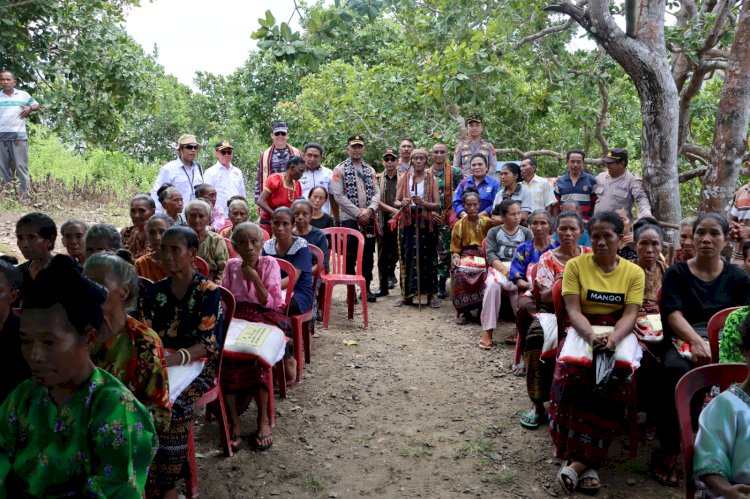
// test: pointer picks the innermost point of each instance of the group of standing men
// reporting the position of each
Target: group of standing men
(366, 201)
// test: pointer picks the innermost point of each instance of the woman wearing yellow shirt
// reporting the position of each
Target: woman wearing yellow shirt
(598, 288)
(467, 284)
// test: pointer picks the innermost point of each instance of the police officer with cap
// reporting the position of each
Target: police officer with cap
(355, 188)
(474, 145)
(618, 188)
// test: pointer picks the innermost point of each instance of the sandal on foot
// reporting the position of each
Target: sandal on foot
(566, 471)
(402, 301)
(532, 419)
(591, 474)
(462, 320)
(259, 439)
(663, 474)
(434, 304)
(484, 346)
(510, 339)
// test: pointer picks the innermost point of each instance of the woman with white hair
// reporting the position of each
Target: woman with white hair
(212, 247)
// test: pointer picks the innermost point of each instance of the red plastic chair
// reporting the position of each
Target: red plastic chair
(305, 323)
(230, 248)
(691, 383)
(338, 275)
(266, 235)
(632, 407)
(201, 266)
(215, 398)
(290, 271)
(715, 325)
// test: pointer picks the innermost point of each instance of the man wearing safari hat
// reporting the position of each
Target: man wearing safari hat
(357, 193)
(224, 176)
(184, 172)
(474, 145)
(275, 158)
(618, 188)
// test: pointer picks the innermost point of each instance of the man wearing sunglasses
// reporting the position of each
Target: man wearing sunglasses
(184, 172)
(224, 176)
(275, 158)
(388, 240)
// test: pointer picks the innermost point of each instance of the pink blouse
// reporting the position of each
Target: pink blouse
(244, 290)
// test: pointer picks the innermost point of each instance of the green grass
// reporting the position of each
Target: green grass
(474, 448)
(315, 485)
(505, 477)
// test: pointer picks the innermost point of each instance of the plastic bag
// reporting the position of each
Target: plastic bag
(604, 364)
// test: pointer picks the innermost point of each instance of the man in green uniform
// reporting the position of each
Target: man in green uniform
(468, 148)
(448, 178)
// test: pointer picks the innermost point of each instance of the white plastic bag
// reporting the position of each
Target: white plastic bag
(256, 338)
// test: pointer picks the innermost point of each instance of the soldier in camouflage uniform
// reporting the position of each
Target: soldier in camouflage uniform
(450, 177)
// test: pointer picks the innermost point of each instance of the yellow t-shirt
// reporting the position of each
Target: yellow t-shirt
(602, 293)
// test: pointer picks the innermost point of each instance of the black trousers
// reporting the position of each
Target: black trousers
(667, 428)
(368, 257)
(387, 255)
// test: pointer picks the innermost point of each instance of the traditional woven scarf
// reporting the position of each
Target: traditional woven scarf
(406, 194)
(350, 180)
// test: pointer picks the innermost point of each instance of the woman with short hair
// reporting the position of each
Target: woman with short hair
(36, 234)
(102, 237)
(72, 233)
(599, 288)
(170, 197)
(149, 265)
(185, 311)
(238, 213)
(126, 348)
(134, 238)
(212, 247)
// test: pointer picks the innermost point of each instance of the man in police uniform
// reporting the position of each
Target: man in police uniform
(388, 240)
(618, 188)
(468, 148)
(355, 188)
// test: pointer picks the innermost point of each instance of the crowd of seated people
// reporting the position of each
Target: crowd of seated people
(135, 304)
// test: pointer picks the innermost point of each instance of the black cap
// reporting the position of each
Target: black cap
(356, 140)
(390, 151)
(474, 116)
(614, 155)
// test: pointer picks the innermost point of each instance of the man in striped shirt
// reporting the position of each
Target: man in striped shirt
(577, 185)
(15, 106)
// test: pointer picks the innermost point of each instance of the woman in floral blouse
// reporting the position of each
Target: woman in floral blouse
(185, 310)
(72, 430)
(128, 349)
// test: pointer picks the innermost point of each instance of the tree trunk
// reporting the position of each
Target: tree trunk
(732, 118)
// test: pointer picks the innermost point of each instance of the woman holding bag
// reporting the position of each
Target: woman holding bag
(598, 287)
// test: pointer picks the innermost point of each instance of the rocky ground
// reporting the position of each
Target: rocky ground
(409, 407)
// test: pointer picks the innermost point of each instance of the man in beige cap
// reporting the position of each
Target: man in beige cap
(224, 176)
(183, 173)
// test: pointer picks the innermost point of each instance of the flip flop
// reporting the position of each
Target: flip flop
(567, 472)
(531, 420)
(462, 320)
(485, 347)
(590, 473)
(258, 442)
(434, 304)
(510, 339)
(657, 466)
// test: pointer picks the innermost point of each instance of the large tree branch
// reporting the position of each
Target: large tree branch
(722, 13)
(545, 32)
(697, 151)
(651, 24)
(602, 120)
(16, 4)
(691, 174)
(713, 65)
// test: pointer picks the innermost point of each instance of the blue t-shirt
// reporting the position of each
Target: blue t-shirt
(584, 240)
(488, 189)
(298, 255)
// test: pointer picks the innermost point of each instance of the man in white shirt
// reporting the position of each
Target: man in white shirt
(183, 173)
(315, 174)
(542, 194)
(15, 107)
(224, 176)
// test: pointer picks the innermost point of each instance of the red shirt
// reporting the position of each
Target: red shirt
(280, 194)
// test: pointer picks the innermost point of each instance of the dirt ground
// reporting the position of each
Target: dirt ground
(409, 407)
